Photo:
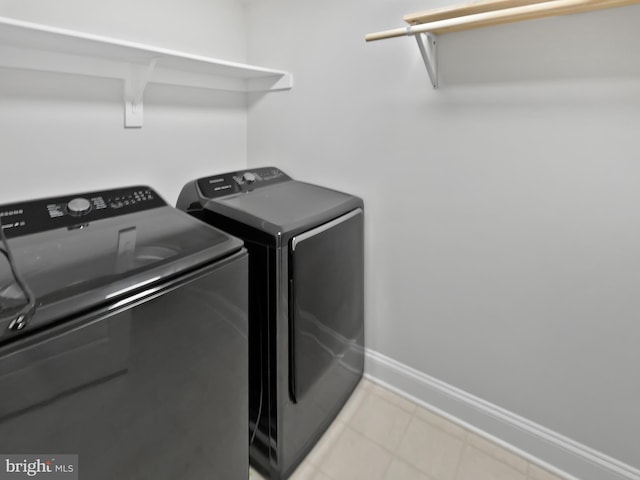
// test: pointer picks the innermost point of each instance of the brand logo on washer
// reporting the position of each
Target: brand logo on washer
(50, 467)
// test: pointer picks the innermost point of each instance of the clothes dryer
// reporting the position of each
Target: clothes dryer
(306, 307)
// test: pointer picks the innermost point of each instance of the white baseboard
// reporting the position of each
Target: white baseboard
(561, 455)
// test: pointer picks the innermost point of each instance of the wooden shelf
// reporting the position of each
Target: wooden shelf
(32, 46)
(483, 14)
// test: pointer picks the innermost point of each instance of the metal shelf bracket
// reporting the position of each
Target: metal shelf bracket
(428, 50)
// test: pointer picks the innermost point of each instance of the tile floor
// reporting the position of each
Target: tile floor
(382, 436)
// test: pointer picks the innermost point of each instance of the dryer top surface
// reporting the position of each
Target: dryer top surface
(285, 207)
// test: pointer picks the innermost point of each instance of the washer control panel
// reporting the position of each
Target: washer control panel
(242, 181)
(71, 211)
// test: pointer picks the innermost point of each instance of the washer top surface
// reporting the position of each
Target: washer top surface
(75, 252)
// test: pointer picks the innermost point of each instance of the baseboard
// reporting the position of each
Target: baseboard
(563, 456)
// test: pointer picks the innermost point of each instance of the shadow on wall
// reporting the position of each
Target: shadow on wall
(588, 45)
(48, 87)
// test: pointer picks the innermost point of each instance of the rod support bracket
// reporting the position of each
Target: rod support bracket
(428, 49)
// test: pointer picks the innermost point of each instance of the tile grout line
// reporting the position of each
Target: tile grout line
(530, 459)
(384, 447)
(465, 439)
(406, 428)
(464, 448)
(369, 390)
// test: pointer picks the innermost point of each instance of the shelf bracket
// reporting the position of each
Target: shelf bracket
(427, 45)
(134, 86)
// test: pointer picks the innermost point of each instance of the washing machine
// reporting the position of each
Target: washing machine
(123, 341)
(306, 307)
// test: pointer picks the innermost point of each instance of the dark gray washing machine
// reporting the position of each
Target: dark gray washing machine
(123, 339)
(306, 303)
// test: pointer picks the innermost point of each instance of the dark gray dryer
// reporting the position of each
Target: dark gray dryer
(306, 303)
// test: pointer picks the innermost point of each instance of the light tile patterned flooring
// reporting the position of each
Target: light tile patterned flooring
(380, 435)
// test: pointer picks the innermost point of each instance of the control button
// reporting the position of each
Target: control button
(55, 211)
(98, 203)
(79, 206)
(249, 177)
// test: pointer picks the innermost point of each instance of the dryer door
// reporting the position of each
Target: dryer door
(326, 303)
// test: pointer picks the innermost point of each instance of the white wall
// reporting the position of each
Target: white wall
(64, 134)
(503, 210)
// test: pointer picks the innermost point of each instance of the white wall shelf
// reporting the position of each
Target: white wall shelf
(424, 26)
(26, 45)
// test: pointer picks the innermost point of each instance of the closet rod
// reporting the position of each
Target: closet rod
(497, 17)
(479, 6)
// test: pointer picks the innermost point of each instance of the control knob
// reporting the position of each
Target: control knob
(79, 206)
(249, 177)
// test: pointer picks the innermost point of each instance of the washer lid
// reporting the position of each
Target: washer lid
(77, 267)
(284, 207)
